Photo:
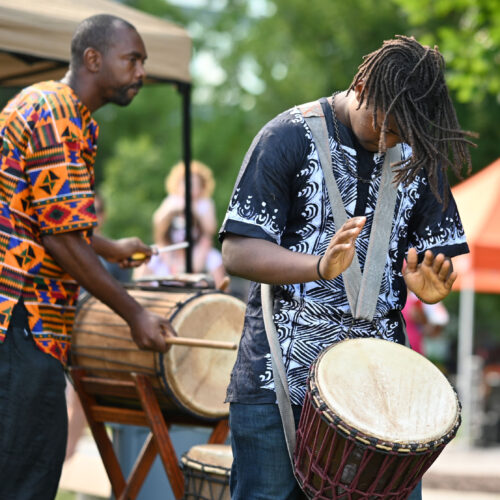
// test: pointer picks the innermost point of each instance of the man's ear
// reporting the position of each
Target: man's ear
(358, 88)
(92, 59)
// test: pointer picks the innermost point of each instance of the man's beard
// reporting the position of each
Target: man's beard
(121, 95)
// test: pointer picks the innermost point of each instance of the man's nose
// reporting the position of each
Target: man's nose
(140, 71)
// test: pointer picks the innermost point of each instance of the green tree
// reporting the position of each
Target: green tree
(468, 33)
(130, 200)
(266, 56)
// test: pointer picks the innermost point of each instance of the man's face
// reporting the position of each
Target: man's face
(364, 130)
(122, 71)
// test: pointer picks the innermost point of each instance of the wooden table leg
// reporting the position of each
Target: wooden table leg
(162, 437)
(220, 432)
(101, 437)
(140, 470)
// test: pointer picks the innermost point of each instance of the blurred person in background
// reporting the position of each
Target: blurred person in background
(202, 204)
(423, 320)
(171, 229)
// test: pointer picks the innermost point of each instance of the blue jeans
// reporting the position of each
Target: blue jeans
(261, 467)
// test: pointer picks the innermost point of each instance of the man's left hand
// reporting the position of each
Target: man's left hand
(126, 247)
(432, 279)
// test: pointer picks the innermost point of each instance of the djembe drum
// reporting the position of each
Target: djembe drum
(206, 470)
(375, 417)
(187, 380)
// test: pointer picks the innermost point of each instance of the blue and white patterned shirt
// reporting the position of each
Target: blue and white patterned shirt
(280, 196)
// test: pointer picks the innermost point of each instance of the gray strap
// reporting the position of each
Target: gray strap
(379, 239)
(315, 119)
(362, 291)
(279, 374)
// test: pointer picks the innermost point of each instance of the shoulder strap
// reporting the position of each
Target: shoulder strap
(315, 119)
(279, 374)
(362, 290)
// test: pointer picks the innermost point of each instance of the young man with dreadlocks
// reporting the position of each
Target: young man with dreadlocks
(279, 230)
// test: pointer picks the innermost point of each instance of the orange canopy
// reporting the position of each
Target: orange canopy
(478, 200)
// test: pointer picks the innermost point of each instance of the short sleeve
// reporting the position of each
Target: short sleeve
(433, 228)
(264, 189)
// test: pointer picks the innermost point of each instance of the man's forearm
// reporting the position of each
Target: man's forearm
(266, 262)
(103, 246)
(79, 260)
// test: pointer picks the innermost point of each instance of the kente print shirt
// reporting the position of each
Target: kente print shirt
(49, 144)
(280, 196)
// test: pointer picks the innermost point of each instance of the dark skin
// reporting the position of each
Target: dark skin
(266, 262)
(115, 76)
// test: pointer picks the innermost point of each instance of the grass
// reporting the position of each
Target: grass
(65, 495)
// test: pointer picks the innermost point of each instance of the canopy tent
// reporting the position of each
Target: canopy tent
(479, 271)
(479, 205)
(35, 37)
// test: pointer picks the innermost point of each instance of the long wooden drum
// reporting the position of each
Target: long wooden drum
(187, 380)
(375, 417)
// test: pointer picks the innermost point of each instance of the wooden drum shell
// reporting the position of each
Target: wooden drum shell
(187, 380)
(337, 455)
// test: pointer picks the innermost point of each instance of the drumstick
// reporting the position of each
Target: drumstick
(191, 342)
(168, 248)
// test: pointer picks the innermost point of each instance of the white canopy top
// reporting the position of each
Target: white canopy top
(35, 37)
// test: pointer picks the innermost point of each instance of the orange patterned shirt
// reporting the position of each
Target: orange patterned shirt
(49, 143)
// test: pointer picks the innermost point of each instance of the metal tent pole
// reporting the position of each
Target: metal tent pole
(465, 357)
(185, 91)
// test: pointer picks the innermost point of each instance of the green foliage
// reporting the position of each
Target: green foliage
(267, 56)
(468, 32)
(136, 189)
(65, 495)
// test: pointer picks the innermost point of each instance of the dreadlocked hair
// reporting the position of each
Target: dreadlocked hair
(406, 80)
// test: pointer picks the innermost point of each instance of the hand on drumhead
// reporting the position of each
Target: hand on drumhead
(341, 250)
(150, 330)
(432, 279)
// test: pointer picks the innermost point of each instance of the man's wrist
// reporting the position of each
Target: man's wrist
(318, 270)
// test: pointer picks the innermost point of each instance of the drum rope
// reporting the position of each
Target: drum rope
(168, 306)
(101, 334)
(119, 370)
(112, 325)
(107, 348)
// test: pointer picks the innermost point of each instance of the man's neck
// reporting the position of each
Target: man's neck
(83, 89)
(342, 108)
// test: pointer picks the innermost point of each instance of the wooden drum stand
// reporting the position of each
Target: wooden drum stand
(117, 382)
(149, 415)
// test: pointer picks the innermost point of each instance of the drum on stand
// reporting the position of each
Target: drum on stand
(375, 417)
(187, 380)
(207, 468)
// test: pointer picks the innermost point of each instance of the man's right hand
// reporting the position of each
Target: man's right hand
(341, 250)
(149, 331)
